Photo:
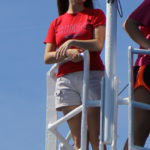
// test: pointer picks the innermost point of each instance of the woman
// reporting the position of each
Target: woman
(137, 26)
(79, 27)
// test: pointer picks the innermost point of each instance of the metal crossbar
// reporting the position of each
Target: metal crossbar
(132, 103)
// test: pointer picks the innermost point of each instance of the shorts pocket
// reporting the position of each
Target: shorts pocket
(58, 95)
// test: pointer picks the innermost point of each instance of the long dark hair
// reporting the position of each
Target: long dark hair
(63, 5)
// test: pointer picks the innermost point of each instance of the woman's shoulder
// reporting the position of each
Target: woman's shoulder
(58, 19)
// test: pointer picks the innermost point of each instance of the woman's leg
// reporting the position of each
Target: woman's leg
(141, 118)
(74, 125)
(94, 127)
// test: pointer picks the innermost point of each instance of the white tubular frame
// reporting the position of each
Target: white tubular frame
(132, 103)
(84, 99)
(53, 124)
(51, 114)
(110, 70)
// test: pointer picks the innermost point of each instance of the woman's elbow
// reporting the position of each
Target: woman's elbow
(100, 46)
(49, 60)
(130, 25)
(46, 60)
(126, 25)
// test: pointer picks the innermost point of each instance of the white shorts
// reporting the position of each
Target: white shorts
(68, 90)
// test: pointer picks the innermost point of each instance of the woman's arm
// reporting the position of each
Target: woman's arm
(95, 44)
(50, 54)
(132, 28)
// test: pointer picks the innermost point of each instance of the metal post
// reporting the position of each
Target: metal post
(114, 132)
(101, 143)
(110, 67)
(130, 108)
(51, 114)
(84, 99)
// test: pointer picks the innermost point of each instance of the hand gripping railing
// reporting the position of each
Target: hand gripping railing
(132, 103)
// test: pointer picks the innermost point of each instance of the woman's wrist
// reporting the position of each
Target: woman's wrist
(72, 42)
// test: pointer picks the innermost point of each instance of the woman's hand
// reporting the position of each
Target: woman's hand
(61, 52)
(74, 54)
(50, 54)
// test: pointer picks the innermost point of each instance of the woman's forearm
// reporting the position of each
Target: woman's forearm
(95, 44)
(91, 45)
(50, 54)
(71, 54)
(132, 28)
(50, 58)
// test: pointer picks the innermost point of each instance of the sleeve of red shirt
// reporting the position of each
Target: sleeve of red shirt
(98, 18)
(50, 38)
(142, 13)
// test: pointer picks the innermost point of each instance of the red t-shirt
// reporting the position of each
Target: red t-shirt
(142, 15)
(76, 26)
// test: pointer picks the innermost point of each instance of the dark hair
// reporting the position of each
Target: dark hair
(64, 4)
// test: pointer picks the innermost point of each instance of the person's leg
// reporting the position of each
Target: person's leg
(126, 145)
(94, 93)
(141, 118)
(94, 127)
(74, 125)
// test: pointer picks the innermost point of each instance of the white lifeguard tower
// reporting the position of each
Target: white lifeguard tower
(109, 102)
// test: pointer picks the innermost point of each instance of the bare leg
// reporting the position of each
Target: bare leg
(141, 118)
(75, 126)
(93, 127)
(126, 145)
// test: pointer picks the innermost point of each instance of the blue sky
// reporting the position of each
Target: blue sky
(23, 27)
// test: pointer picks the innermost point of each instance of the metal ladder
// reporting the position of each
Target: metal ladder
(132, 103)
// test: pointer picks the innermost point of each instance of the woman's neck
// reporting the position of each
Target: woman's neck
(74, 8)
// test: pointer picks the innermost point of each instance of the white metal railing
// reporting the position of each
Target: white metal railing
(51, 114)
(110, 69)
(53, 125)
(132, 103)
